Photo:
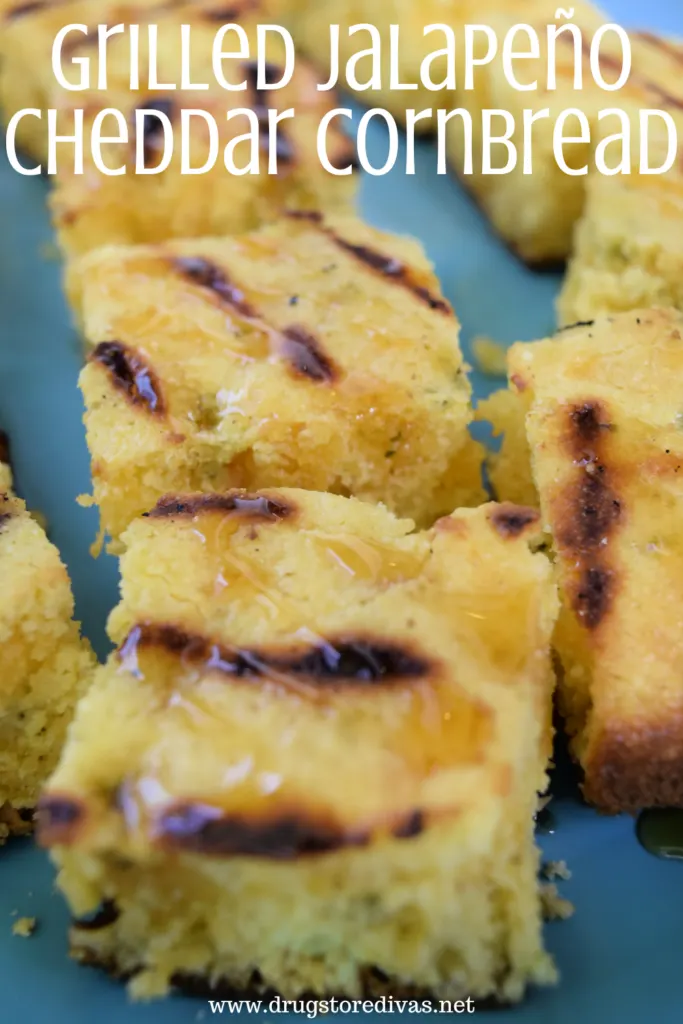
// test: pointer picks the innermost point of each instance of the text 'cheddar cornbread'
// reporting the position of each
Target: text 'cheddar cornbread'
(312, 764)
(93, 208)
(43, 661)
(604, 422)
(315, 352)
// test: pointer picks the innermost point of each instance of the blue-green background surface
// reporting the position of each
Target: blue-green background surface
(621, 955)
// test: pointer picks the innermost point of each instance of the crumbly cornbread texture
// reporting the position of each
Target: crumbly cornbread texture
(316, 352)
(604, 431)
(313, 762)
(628, 251)
(91, 209)
(535, 213)
(509, 467)
(43, 661)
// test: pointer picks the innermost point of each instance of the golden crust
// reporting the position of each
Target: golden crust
(43, 662)
(605, 440)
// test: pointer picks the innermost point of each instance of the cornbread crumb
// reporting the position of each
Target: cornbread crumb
(555, 907)
(553, 869)
(24, 927)
(490, 356)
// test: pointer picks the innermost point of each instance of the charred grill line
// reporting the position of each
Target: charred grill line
(593, 511)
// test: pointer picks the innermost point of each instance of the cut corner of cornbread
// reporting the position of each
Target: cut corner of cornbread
(313, 760)
(628, 249)
(44, 662)
(604, 428)
(315, 352)
(508, 467)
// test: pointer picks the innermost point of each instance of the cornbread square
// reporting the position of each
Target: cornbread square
(44, 663)
(536, 213)
(313, 762)
(604, 431)
(628, 251)
(314, 352)
(92, 209)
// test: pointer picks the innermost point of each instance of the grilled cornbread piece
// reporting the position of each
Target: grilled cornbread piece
(93, 209)
(43, 661)
(313, 761)
(313, 352)
(628, 250)
(604, 430)
(536, 213)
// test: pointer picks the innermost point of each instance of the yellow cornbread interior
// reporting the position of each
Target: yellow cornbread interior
(628, 251)
(318, 751)
(377, 406)
(43, 661)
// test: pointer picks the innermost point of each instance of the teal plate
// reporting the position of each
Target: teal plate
(621, 955)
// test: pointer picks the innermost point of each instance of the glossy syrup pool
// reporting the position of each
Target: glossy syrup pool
(620, 955)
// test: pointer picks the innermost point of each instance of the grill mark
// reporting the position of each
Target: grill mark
(577, 323)
(350, 660)
(78, 40)
(231, 12)
(344, 154)
(661, 44)
(130, 374)
(386, 266)
(106, 914)
(58, 818)
(589, 513)
(208, 275)
(259, 506)
(412, 826)
(199, 828)
(306, 355)
(22, 10)
(510, 521)
(664, 97)
(303, 352)
(284, 147)
(153, 131)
